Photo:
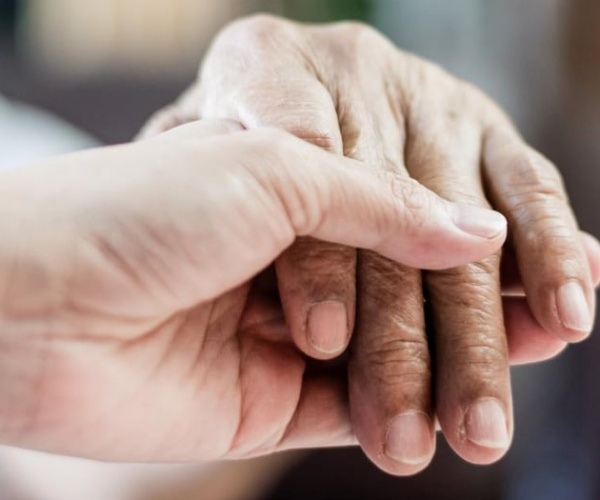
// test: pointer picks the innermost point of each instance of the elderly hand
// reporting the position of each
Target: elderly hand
(130, 327)
(346, 88)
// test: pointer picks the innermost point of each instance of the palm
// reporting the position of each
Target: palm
(219, 379)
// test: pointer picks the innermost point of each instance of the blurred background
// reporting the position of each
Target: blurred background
(105, 65)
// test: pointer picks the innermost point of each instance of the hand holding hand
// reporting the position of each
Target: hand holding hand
(131, 325)
(347, 89)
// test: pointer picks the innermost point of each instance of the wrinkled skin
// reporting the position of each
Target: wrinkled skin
(345, 88)
(132, 327)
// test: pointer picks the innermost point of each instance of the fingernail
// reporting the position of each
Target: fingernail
(485, 425)
(479, 221)
(409, 438)
(328, 326)
(573, 308)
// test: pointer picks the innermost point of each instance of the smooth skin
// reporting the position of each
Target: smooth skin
(346, 88)
(136, 322)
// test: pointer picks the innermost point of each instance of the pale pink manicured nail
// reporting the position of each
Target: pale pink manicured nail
(478, 221)
(573, 308)
(485, 424)
(328, 326)
(409, 438)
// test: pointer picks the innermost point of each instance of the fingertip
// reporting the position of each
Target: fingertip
(327, 329)
(478, 455)
(402, 469)
(591, 241)
(574, 311)
(528, 341)
(537, 353)
(485, 425)
(591, 246)
(565, 310)
(481, 232)
(403, 447)
(408, 447)
(317, 287)
(480, 222)
(484, 434)
(430, 232)
(409, 440)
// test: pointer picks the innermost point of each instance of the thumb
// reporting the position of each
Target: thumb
(280, 187)
(343, 201)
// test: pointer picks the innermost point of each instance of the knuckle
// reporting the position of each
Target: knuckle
(456, 188)
(544, 227)
(397, 360)
(312, 116)
(471, 291)
(488, 354)
(475, 102)
(474, 277)
(427, 83)
(458, 109)
(470, 317)
(347, 40)
(391, 295)
(470, 334)
(322, 268)
(391, 344)
(381, 279)
(354, 29)
(547, 237)
(534, 177)
(538, 206)
(258, 30)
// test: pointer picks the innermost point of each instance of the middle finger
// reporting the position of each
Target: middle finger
(390, 366)
(473, 398)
